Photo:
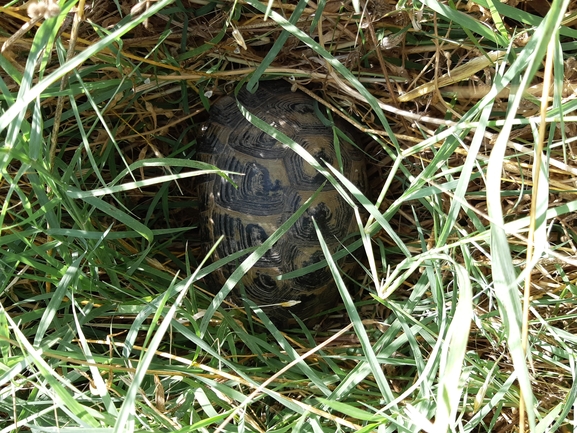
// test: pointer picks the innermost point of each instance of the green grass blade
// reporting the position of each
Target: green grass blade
(360, 331)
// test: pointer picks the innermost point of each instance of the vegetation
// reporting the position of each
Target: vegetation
(462, 317)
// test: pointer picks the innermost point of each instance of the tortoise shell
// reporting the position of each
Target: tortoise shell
(276, 182)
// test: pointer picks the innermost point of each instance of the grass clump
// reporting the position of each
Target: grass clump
(463, 319)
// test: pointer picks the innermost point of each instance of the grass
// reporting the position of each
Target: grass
(462, 316)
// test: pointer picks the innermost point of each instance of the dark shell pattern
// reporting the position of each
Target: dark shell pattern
(275, 184)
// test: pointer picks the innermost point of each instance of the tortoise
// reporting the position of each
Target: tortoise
(276, 182)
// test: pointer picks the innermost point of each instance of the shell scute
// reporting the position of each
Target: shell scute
(257, 192)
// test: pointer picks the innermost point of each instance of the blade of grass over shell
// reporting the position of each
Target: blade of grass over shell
(297, 148)
(265, 127)
(74, 193)
(251, 260)
(322, 263)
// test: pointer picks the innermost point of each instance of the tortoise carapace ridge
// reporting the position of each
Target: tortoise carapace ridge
(276, 182)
